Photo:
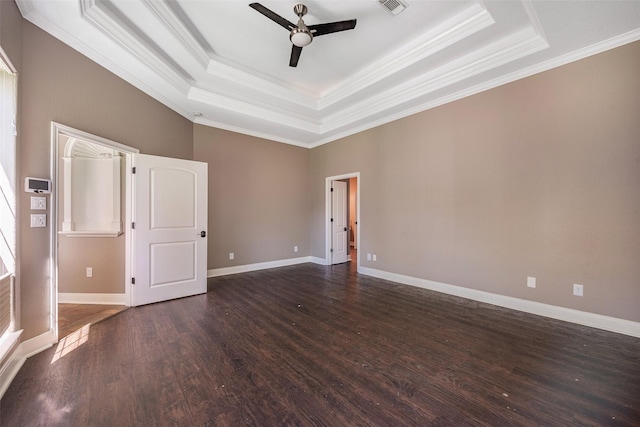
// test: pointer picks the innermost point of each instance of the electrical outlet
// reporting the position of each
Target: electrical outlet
(578, 290)
(295, 249)
(89, 272)
(38, 220)
(232, 255)
(368, 257)
(531, 282)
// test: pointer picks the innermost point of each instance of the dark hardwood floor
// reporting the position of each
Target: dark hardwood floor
(323, 346)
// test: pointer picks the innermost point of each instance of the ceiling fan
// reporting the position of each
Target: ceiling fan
(301, 34)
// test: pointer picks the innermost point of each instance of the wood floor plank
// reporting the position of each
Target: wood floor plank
(324, 346)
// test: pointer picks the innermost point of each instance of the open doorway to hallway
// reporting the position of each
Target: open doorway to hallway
(342, 216)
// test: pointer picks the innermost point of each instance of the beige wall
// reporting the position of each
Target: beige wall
(105, 255)
(258, 201)
(59, 84)
(535, 178)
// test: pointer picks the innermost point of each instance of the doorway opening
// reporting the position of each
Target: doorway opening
(342, 229)
(90, 218)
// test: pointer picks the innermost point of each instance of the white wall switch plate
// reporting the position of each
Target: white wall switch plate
(232, 255)
(368, 257)
(375, 258)
(295, 249)
(89, 272)
(38, 203)
(38, 220)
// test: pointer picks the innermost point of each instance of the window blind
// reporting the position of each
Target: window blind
(6, 302)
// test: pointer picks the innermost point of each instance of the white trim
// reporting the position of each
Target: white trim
(103, 299)
(593, 320)
(256, 109)
(78, 134)
(58, 129)
(327, 219)
(25, 350)
(318, 260)
(12, 364)
(39, 343)
(462, 25)
(216, 272)
(8, 343)
(272, 136)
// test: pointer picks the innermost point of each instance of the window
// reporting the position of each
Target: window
(8, 102)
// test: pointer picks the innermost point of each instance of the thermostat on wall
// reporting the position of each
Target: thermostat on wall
(37, 185)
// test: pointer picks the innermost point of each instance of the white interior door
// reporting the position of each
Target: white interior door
(340, 227)
(169, 239)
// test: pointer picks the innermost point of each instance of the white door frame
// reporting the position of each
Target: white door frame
(58, 129)
(327, 222)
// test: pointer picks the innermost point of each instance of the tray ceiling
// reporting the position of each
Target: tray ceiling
(222, 64)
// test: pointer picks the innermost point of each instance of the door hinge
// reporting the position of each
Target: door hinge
(133, 169)
(133, 280)
(133, 225)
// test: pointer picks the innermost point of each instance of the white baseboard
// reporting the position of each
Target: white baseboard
(37, 344)
(10, 370)
(317, 260)
(258, 266)
(593, 320)
(103, 299)
(25, 350)
(9, 350)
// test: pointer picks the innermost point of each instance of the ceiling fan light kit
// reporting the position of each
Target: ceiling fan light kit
(302, 35)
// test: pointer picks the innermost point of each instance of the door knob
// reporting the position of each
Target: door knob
(345, 229)
(203, 234)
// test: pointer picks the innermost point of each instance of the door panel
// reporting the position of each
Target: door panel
(170, 213)
(163, 213)
(172, 262)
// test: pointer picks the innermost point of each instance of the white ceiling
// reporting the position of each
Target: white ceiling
(229, 63)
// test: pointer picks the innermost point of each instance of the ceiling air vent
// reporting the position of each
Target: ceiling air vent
(393, 6)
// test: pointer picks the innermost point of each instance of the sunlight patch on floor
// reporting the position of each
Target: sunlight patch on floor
(71, 342)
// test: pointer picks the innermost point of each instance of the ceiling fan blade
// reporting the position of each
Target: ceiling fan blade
(295, 55)
(332, 27)
(273, 16)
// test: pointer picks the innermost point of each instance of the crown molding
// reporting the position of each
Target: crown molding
(249, 132)
(501, 52)
(253, 109)
(465, 24)
(218, 68)
(120, 31)
(180, 30)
